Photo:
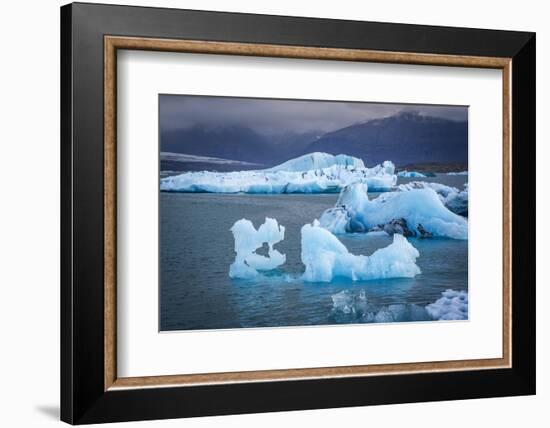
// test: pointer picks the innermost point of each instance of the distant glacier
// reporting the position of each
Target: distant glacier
(312, 173)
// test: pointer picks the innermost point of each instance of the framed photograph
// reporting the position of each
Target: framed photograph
(266, 213)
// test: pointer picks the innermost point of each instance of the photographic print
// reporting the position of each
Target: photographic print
(281, 212)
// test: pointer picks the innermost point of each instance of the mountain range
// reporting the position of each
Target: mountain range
(406, 138)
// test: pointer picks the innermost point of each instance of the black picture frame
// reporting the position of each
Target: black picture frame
(83, 396)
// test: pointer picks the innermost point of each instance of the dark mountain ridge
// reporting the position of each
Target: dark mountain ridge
(228, 142)
(406, 138)
(237, 143)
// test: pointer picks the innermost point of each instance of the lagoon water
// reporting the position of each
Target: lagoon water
(196, 249)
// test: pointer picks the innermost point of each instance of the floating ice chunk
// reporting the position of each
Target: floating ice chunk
(452, 306)
(325, 258)
(350, 303)
(457, 202)
(349, 306)
(410, 174)
(458, 173)
(353, 306)
(421, 210)
(454, 199)
(336, 220)
(440, 189)
(354, 196)
(341, 218)
(386, 168)
(318, 160)
(259, 262)
(247, 240)
(312, 173)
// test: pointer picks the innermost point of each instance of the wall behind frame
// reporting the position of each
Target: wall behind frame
(29, 219)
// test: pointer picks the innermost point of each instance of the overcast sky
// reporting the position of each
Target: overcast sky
(271, 116)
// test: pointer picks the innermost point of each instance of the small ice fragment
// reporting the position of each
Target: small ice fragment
(247, 240)
(452, 306)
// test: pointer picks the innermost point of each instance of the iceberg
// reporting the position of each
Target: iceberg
(417, 212)
(458, 173)
(311, 173)
(349, 306)
(247, 240)
(457, 201)
(348, 303)
(452, 306)
(454, 199)
(318, 160)
(410, 174)
(325, 258)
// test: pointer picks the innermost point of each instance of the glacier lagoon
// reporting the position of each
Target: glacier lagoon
(197, 250)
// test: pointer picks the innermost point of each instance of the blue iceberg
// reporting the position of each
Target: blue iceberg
(417, 213)
(454, 199)
(353, 306)
(325, 258)
(311, 173)
(410, 174)
(453, 305)
(247, 240)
